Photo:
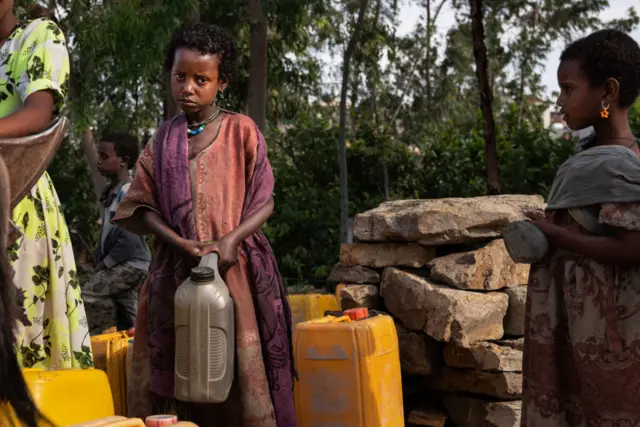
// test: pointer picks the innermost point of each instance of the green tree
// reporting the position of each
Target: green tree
(413, 125)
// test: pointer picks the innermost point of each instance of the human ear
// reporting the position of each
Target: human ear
(611, 90)
(223, 85)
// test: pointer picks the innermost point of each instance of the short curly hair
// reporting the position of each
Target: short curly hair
(208, 39)
(609, 54)
(125, 145)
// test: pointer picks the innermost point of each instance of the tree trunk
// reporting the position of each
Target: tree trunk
(428, 57)
(486, 98)
(385, 175)
(383, 135)
(381, 131)
(342, 146)
(89, 148)
(523, 60)
(430, 26)
(257, 98)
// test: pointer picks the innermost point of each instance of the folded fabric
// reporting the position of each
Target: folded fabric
(595, 176)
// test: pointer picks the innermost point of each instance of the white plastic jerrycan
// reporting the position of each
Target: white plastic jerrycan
(205, 338)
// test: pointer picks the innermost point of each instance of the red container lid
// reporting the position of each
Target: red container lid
(357, 313)
(161, 420)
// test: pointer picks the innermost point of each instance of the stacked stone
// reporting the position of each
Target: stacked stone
(441, 269)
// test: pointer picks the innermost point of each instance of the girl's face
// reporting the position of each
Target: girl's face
(195, 81)
(580, 102)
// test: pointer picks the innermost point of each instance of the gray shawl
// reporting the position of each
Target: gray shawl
(594, 176)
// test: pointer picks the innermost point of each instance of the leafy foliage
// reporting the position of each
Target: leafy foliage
(414, 125)
(72, 180)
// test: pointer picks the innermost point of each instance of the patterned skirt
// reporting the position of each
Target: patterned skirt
(52, 332)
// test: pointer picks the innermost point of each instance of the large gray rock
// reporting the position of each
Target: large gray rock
(483, 356)
(425, 416)
(419, 353)
(488, 268)
(502, 385)
(472, 412)
(444, 221)
(356, 296)
(445, 313)
(355, 274)
(379, 255)
(514, 320)
(516, 344)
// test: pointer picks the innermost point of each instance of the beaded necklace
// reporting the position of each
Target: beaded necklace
(199, 127)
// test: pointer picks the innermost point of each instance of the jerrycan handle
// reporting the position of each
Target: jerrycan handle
(333, 313)
(332, 319)
(210, 260)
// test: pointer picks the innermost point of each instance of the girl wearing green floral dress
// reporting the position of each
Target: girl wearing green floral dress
(34, 75)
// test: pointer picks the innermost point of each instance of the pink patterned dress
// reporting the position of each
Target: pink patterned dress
(582, 335)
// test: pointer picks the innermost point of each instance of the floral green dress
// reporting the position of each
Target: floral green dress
(53, 332)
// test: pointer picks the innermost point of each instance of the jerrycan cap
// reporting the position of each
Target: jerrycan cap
(161, 420)
(357, 313)
(202, 274)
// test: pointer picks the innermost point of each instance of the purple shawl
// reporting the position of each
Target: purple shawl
(174, 199)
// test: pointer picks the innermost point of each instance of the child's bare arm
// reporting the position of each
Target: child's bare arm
(621, 249)
(32, 117)
(227, 247)
(158, 227)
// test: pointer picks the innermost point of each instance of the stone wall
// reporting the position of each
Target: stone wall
(441, 269)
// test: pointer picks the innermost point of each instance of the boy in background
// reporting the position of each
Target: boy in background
(123, 258)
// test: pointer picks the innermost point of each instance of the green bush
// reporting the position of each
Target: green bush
(453, 162)
(304, 230)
